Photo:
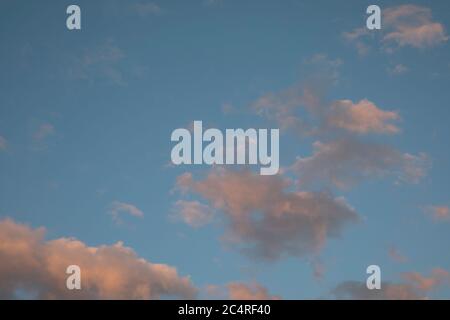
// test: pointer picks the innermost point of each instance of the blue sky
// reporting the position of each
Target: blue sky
(86, 118)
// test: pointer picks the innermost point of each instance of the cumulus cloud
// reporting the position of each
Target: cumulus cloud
(302, 108)
(345, 162)
(362, 117)
(264, 220)
(438, 213)
(118, 208)
(192, 213)
(31, 264)
(414, 287)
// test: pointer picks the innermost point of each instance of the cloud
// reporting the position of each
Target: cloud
(398, 69)
(240, 291)
(411, 25)
(438, 213)
(414, 287)
(118, 208)
(344, 162)
(402, 26)
(147, 9)
(192, 213)
(302, 108)
(99, 63)
(438, 277)
(362, 117)
(3, 143)
(251, 291)
(355, 290)
(33, 265)
(396, 255)
(43, 132)
(264, 220)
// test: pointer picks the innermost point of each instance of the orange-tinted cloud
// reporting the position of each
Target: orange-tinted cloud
(240, 291)
(438, 277)
(438, 213)
(33, 265)
(266, 221)
(251, 291)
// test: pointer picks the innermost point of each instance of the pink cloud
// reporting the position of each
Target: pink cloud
(31, 263)
(411, 25)
(118, 208)
(266, 221)
(251, 291)
(193, 213)
(362, 117)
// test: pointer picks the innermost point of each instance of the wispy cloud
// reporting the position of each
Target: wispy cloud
(119, 208)
(192, 213)
(3, 143)
(414, 287)
(43, 131)
(99, 63)
(398, 69)
(145, 9)
(345, 162)
(396, 255)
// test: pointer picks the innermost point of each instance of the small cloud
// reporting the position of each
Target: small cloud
(228, 108)
(396, 255)
(193, 213)
(398, 70)
(43, 132)
(362, 117)
(119, 208)
(147, 9)
(251, 291)
(3, 143)
(211, 3)
(438, 213)
(414, 287)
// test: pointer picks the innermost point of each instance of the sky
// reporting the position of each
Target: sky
(86, 118)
